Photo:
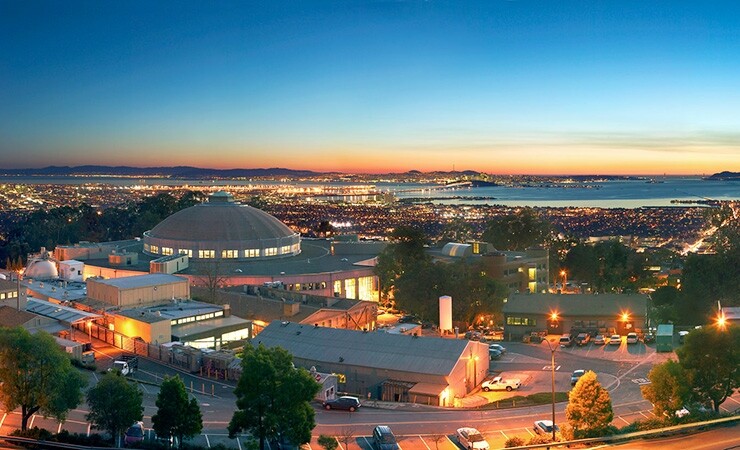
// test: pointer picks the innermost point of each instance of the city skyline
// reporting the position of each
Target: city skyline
(502, 87)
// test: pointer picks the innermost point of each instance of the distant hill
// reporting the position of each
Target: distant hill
(170, 172)
(724, 176)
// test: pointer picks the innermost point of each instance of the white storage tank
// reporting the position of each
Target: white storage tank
(445, 313)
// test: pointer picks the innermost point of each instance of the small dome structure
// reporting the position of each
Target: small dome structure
(222, 229)
(42, 268)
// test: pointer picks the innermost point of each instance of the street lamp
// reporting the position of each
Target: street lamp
(552, 368)
(564, 274)
(721, 320)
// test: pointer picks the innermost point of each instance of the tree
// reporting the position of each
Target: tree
(405, 252)
(456, 230)
(177, 416)
(589, 409)
(211, 277)
(37, 375)
(114, 404)
(346, 435)
(517, 231)
(669, 388)
(273, 397)
(328, 442)
(711, 356)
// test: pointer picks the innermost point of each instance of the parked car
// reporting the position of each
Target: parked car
(499, 384)
(583, 339)
(648, 337)
(615, 340)
(599, 339)
(345, 402)
(473, 335)
(134, 434)
(383, 438)
(566, 340)
(498, 347)
(577, 374)
(544, 427)
(494, 353)
(471, 439)
(632, 338)
(409, 318)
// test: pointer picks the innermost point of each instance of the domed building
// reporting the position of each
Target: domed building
(42, 267)
(222, 229)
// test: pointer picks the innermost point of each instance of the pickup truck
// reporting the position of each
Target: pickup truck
(499, 384)
(126, 365)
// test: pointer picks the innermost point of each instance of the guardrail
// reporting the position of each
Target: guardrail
(637, 434)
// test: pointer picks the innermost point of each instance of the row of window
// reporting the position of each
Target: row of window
(11, 294)
(225, 254)
(525, 321)
(196, 318)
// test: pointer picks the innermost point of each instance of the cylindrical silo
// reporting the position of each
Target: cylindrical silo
(445, 313)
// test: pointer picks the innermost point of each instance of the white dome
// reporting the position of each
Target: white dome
(41, 269)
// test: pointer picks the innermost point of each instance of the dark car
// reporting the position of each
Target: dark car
(409, 318)
(345, 402)
(383, 438)
(134, 434)
(494, 353)
(577, 374)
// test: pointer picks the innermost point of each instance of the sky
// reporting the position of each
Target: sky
(498, 86)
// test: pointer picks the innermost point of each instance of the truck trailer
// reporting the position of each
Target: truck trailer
(664, 338)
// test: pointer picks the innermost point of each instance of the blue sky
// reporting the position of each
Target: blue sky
(499, 86)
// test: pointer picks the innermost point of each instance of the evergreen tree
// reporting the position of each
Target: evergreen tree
(177, 416)
(589, 411)
(114, 404)
(273, 397)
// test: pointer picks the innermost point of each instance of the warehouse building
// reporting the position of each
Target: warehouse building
(383, 366)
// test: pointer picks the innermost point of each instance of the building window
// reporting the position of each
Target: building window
(154, 249)
(523, 321)
(285, 249)
(338, 287)
(166, 251)
(206, 254)
(146, 247)
(272, 251)
(252, 253)
(296, 248)
(185, 251)
(229, 253)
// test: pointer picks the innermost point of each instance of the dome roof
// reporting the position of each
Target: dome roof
(222, 229)
(41, 269)
(221, 219)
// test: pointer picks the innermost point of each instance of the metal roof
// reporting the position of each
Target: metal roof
(139, 281)
(424, 355)
(59, 312)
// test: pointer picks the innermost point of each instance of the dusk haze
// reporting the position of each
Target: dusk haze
(502, 87)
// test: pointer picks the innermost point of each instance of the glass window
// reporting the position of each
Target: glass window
(154, 249)
(272, 251)
(206, 254)
(229, 253)
(166, 251)
(252, 253)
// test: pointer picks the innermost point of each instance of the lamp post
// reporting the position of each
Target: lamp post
(552, 368)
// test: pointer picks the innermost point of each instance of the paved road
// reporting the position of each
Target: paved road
(620, 368)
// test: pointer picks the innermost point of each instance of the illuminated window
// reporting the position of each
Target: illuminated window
(272, 251)
(206, 254)
(349, 287)
(525, 321)
(252, 253)
(338, 287)
(229, 253)
(167, 251)
(146, 247)
(366, 291)
(296, 248)
(2, 296)
(184, 251)
(285, 249)
(154, 249)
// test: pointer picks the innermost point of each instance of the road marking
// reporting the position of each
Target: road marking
(451, 442)
(2, 421)
(423, 442)
(238, 444)
(641, 381)
(530, 432)
(643, 415)
(207, 440)
(340, 444)
(95, 375)
(550, 368)
(504, 434)
(368, 442)
(33, 417)
(59, 428)
(144, 387)
(620, 418)
(88, 429)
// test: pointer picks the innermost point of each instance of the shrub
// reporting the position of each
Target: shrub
(515, 441)
(40, 434)
(328, 442)
(540, 439)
